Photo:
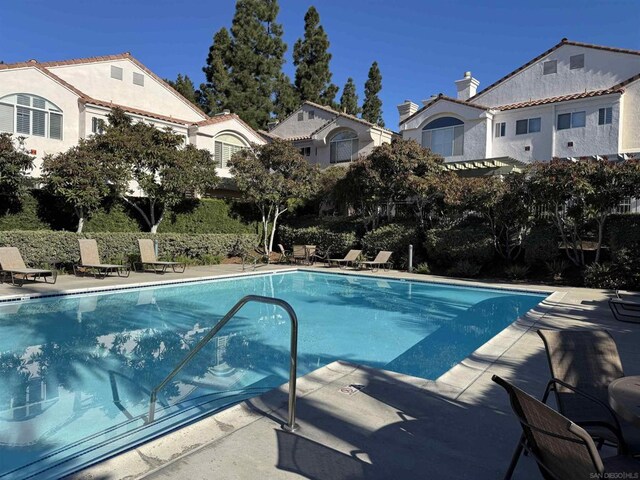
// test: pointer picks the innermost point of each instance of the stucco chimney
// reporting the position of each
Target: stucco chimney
(406, 109)
(466, 86)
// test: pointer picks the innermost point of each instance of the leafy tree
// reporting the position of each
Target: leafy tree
(286, 99)
(349, 98)
(214, 94)
(577, 193)
(372, 106)
(184, 86)
(311, 58)
(14, 163)
(274, 177)
(82, 178)
(243, 68)
(166, 171)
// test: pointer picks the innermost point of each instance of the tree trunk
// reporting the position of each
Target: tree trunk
(154, 227)
(80, 215)
(140, 211)
(273, 228)
(601, 221)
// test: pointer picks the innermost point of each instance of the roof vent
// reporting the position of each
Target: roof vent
(33, 60)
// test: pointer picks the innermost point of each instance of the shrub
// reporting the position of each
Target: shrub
(203, 216)
(38, 247)
(622, 231)
(516, 272)
(423, 268)
(338, 243)
(464, 268)
(622, 272)
(541, 245)
(394, 237)
(448, 247)
(556, 268)
(602, 275)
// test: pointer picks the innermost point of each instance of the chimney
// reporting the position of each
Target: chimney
(406, 109)
(467, 86)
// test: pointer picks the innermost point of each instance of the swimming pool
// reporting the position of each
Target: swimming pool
(76, 370)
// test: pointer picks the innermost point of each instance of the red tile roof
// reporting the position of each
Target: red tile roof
(562, 98)
(563, 42)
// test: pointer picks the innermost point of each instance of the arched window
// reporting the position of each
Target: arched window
(445, 136)
(343, 146)
(26, 114)
(226, 144)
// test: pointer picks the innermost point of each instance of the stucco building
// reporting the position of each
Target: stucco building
(329, 137)
(55, 104)
(574, 100)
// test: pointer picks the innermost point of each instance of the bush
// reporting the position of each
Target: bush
(204, 216)
(38, 247)
(423, 268)
(449, 247)
(556, 268)
(602, 275)
(338, 243)
(622, 231)
(516, 272)
(623, 272)
(464, 268)
(541, 245)
(394, 237)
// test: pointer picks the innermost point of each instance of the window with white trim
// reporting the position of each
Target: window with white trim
(343, 147)
(97, 125)
(26, 114)
(501, 129)
(605, 116)
(444, 136)
(305, 151)
(529, 125)
(571, 120)
(225, 146)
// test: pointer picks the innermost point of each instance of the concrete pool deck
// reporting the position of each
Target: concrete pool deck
(390, 426)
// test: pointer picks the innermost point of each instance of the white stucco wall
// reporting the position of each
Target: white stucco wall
(94, 79)
(630, 107)
(292, 127)
(512, 145)
(475, 121)
(602, 69)
(32, 81)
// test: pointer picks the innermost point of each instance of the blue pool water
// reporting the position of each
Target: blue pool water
(76, 371)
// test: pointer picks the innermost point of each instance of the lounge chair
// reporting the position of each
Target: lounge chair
(625, 309)
(583, 363)
(90, 261)
(148, 258)
(381, 260)
(562, 449)
(349, 259)
(11, 263)
(303, 254)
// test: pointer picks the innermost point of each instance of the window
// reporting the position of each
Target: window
(550, 67)
(530, 125)
(138, 79)
(501, 129)
(576, 61)
(444, 136)
(97, 125)
(225, 146)
(30, 115)
(300, 116)
(343, 147)
(116, 72)
(605, 116)
(312, 114)
(571, 120)
(305, 151)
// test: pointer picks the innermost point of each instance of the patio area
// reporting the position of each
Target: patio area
(360, 422)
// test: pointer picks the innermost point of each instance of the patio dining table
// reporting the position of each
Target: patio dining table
(624, 398)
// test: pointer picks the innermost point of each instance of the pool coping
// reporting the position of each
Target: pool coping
(179, 443)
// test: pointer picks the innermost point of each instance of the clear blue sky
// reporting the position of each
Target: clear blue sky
(422, 47)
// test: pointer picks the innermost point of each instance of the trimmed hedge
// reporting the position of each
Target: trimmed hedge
(394, 237)
(338, 243)
(38, 247)
(541, 245)
(448, 247)
(622, 231)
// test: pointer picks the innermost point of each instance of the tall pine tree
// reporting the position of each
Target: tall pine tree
(244, 69)
(349, 98)
(311, 58)
(214, 93)
(184, 86)
(372, 105)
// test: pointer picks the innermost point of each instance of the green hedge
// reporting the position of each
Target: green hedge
(541, 245)
(338, 243)
(448, 247)
(204, 216)
(394, 237)
(622, 231)
(38, 247)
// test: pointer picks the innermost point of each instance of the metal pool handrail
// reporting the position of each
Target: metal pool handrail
(291, 426)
